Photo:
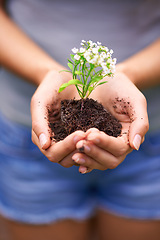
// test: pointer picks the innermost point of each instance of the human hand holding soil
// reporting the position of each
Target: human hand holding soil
(128, 105)
(47, 95)
(100, 151)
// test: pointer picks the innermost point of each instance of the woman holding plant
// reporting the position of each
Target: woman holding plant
(40, 199)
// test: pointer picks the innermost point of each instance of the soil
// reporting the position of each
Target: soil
(81, 115)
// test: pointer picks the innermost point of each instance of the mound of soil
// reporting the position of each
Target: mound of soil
(81, 115)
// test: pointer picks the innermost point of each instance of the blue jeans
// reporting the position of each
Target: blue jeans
(35, 190)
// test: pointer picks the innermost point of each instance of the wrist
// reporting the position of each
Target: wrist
(55, 78)
(130, 72)
(50, 66)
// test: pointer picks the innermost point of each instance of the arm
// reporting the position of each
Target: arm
(2, 3)
(142, 70)
(21, 55)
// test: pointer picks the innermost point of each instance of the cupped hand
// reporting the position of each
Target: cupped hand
(100, 151)
(47, 97)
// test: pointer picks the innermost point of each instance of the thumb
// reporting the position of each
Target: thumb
(139, 125)
(40, 126)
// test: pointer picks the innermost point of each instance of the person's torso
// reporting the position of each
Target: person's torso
(59, 25)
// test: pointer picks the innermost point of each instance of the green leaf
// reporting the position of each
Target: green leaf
(70, 61)
(79, 92)
(90, 89)
(95, 79)
(78, 73)
(71, 82)
(72, 57)
(74, 81)
(101, 83)
(65, 71)
(98, 72)
(70, 66)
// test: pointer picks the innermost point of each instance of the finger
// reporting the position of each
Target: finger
(87, 161)
(68, 161)
(45, 95)
(92, 130)
(115, 146)
(36, 141)
(105, 158)
(58, 151)
(40, 122)
(139, 125)
(136, 111)
(61, 150)
(83, 169)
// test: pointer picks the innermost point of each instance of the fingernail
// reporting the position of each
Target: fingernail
(137, 141)
(79, 160)
(83, 170)
(84, 148)
(42, 139)
(92, 137)
(87, 148)
(76, 139)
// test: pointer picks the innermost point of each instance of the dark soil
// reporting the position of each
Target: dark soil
(82, 115)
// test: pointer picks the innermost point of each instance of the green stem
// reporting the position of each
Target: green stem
(82, 105)
(87, 85)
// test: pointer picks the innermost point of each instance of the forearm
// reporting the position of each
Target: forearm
(21, 55)
(143, 68)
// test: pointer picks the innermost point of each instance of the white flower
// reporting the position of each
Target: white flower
(81, 61)
(106, 71)
(95, 50)
(114, 60)
(108, 55)
(106, 49)
(83, 42)
(94, 60)
(103, 65)
(112, 67)
(92, 44)
(87, 54)
(103, 55)
(88, 58)
(74, 50)
(100, 62)
(76, 57)
(111, 51)
(109, 60)
(82, 50)
(99, 43)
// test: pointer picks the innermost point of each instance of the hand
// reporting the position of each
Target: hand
(45, 96)
(100, 151)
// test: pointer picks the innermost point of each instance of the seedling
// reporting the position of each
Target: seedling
(89, 65)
